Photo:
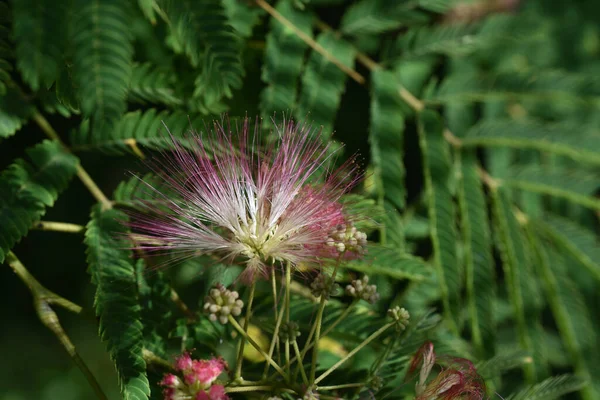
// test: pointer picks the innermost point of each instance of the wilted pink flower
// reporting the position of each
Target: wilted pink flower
(458, 378)
(237, 200)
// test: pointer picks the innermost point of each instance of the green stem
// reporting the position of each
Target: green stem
(300, 365)
(318, 322)
(84, 177)
(344, 386)
(309, 345)
(58, 227)
(241, 331)
(275, 337)
(152, 358)
(42, 299)
(288, 282)
(237, 389)
(240, 356)
(368, 340)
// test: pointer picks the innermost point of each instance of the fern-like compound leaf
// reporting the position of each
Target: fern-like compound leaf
(206, 36)
(116, 301)
(523, 290)
(28, 188)
(102, 59)
(570, 312)
(40, 34)
(437, 173)
(551, 388)
(323, 82)
(479, 263)
(574, 185)
(152, 85)
(284, 58)
(573, 140)
(149, 129)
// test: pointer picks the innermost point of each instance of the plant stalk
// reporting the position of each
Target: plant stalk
(240, 356)
(242, 332)
(368, 340)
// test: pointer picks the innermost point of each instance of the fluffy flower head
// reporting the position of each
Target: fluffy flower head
(223, 194)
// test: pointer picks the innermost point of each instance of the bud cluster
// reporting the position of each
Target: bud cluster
(289, 331)
(360, 289)
(345, 237)
(401, 316)
(221, 302)
(197, 382)
(323, 285)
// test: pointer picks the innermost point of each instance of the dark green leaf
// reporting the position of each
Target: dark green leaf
(116, 301)
(28, 188)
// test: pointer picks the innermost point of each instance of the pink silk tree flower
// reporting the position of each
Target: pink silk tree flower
(223, 194)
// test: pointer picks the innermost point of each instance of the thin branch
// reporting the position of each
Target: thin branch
(42, 300)
(81, 173)
(312, 43)
(152, 358)
(58, 227)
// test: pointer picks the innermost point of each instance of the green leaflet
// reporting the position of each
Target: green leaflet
(479, 263)
(206, 36)
(569, 310)
(14, 111)
(386, 138)
(555, 87)
(152, 85)
(150, 129)
(437, 170)
(147, 8)
(156, 308)
(112, 270)
(40, 33)
(521, 285)
(323, 83)
(377, 16)
(6, 52)
(242, 16)
(102, 59)
(575, 185)
(580, 242)
(578, 142)
(27, 188)
(284, 57)
(551, 388)
(389, 261)
(502, 362)
(135, 189)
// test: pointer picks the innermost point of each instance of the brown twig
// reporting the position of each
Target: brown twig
(42, 300)
(311, 42)
(81, 173)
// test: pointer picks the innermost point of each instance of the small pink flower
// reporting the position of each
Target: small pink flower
(258, 205)
(207, 371)
(171, 381)
(217, 392)
(183, 362)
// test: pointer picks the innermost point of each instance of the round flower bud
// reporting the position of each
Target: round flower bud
(361, 289)
(400, 315)
(221, 302)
